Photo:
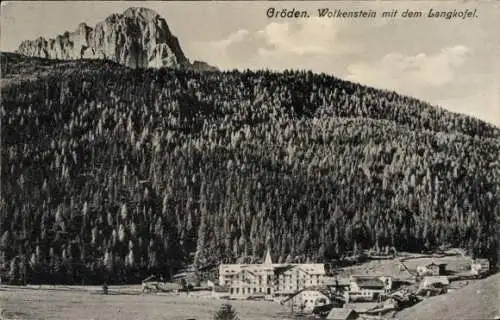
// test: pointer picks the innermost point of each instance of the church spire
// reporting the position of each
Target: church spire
(268, 260)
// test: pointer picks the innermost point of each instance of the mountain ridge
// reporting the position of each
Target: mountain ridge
(137, 38)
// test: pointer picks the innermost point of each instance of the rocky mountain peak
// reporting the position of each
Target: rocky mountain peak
(137, 38)
(141, 13)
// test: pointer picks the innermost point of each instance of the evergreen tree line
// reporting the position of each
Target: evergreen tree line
(110, 174)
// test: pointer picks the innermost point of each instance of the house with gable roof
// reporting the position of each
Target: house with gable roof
(306, 300)
(432, 269)
(369, 288)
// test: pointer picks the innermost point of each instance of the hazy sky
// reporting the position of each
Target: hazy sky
(451, 63)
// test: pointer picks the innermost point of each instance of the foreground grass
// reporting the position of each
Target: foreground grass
(80, 303)
(477, 301)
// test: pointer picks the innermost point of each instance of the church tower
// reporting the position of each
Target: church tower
(268, 260)
(268, 274)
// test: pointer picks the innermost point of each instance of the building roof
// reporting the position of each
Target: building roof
(246, 271)
(340, 314)
(182, 275)
(336, 281)
(370, 283)
(208, 267)
(482, 260)
(282, 268)
(436, 264)
(309, 268)
(231, 269)
(312, 268)
(151, 278)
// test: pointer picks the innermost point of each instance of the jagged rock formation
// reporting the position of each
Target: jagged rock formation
(138, 38)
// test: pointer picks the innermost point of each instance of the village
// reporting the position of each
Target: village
(373, 286)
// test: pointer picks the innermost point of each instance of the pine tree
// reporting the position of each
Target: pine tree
(226, 312)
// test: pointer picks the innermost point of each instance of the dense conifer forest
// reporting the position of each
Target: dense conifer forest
(111, 174)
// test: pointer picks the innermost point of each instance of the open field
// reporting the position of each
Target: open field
(127, 302)
(84, 303)
(457, 264)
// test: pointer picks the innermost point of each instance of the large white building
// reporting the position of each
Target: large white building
(268, 278)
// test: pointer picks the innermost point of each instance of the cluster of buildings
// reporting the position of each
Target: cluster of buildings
(478, 267)
(304, 286)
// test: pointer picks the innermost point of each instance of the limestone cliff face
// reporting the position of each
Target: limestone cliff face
(138, 38)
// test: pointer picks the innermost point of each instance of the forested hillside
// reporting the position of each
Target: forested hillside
(111, 173)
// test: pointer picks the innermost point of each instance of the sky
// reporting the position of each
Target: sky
(453, 63)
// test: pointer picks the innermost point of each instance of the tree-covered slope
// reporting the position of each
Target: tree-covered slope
(110, 171)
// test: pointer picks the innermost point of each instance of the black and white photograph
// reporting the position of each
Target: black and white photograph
(250, 160)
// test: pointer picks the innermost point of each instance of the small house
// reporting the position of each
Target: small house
(151, 283)
(436, 269)
(480, 266)
(336, 285)
(433, 285)
(342, 314)
(435, 281)
(185, 277)
(366, 288)
(432, 269)
(307, 299)
(385, 279)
